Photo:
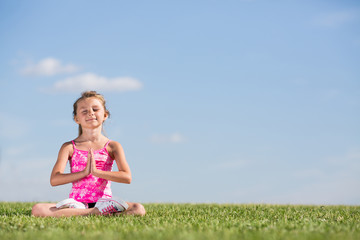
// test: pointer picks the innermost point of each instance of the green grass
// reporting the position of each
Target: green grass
(189, 221)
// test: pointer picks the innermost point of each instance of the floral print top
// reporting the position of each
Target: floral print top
(90, 188)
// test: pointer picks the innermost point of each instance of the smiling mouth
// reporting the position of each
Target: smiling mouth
(94, 119)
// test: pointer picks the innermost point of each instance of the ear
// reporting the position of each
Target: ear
(105, 116)
(76, 120)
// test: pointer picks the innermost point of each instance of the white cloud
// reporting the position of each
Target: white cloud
(91, 81)
(168, 138)
(335, 19)
(48, 67)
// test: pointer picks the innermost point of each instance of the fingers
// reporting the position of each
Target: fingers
(89, 158)
(91, 153)
(89, 161)
(92, 160)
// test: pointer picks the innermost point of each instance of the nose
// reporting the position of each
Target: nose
(91, 112)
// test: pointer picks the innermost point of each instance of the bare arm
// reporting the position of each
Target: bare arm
(124, 173)
(58, 177)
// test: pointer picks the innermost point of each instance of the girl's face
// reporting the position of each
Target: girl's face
(90, 113)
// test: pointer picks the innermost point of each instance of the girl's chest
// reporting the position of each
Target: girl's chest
(79, 160)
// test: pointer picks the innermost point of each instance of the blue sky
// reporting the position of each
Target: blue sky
(213, 101)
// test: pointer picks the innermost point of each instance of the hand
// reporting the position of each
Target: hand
(93, 168)
(87, 169)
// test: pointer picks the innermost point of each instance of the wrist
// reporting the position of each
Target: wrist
(84, 173)
(95, 172)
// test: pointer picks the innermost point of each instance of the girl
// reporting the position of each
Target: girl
(91, 157)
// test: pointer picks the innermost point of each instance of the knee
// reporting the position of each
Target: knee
(139, 209)
(37, 210)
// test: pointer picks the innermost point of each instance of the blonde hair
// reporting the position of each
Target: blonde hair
(89, 94)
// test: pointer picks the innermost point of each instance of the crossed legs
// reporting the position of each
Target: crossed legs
(49, 210)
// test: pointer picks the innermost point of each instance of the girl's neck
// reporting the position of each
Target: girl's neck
(91, 135)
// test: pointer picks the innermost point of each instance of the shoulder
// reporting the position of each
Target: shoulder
(115, 146)
(67, 147)
(115, 149)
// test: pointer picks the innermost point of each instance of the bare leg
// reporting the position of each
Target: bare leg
(49, 210)
(134, 209)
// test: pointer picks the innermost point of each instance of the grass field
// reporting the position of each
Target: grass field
(189, 221)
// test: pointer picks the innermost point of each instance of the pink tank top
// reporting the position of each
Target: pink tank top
(89, 189)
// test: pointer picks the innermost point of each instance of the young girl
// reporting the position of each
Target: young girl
(91, 156)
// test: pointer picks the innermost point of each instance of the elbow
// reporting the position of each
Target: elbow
(125, 177)
(128, 180)
(55, 180)
(52, 183)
